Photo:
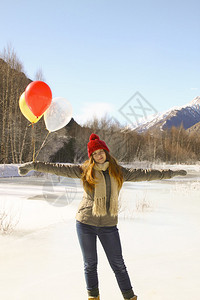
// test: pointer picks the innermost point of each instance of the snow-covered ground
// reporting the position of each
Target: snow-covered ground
(159, 226)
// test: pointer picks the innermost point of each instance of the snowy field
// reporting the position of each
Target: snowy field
(159, 225)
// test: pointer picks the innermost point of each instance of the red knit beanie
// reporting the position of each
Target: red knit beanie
(95, 144)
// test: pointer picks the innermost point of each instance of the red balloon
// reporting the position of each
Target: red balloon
(38, 97)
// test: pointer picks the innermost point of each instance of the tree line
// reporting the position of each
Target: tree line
(175, 145)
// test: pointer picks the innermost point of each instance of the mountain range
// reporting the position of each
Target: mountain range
(186, 116)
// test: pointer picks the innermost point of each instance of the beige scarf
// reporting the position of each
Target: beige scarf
(99, 206)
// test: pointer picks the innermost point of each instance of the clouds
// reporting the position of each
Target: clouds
(91, 110)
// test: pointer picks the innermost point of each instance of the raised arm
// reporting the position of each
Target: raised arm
(130, 174)
(73, 171)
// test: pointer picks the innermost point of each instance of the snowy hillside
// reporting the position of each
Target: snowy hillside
(188, 115)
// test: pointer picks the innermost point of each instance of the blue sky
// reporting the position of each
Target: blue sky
(98, 53)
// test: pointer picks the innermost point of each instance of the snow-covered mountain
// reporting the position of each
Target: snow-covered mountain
(187, 115)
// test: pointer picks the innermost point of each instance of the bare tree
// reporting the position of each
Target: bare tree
(39, 75)
(10, 57)
(12, 84)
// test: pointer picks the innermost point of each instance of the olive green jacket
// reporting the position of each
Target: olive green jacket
(84, 213)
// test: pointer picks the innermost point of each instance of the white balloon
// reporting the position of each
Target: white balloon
(58, 114)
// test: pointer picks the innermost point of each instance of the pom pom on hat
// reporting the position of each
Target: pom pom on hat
(95, 144)
(94, 137)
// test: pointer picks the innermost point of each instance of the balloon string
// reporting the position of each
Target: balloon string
(42, 144)
(33, 142)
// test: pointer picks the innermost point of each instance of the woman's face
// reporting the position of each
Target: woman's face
(99, 156)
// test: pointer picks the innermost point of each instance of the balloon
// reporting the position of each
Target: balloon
(38, 97)
(58, 114)
(26, 111)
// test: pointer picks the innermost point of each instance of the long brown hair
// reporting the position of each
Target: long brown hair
(88, 176)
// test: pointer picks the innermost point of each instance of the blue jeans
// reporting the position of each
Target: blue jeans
(110, 240)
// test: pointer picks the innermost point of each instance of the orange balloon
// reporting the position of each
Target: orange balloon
(38, 97)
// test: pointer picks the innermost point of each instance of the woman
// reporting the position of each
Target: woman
(97, 215)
